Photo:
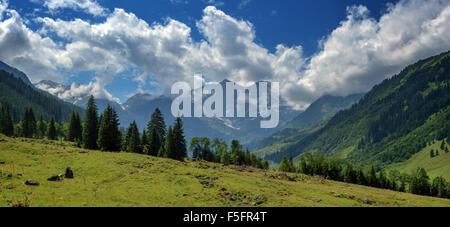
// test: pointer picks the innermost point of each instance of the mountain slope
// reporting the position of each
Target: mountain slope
(392, 122)
(304, 124)
(323, 108)
(101, 178)
(435, 166)
(16, 73)
(18, 96)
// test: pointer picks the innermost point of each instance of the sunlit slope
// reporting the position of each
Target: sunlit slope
(436, 166)
(121, 179)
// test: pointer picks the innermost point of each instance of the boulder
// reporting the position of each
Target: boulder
(31, 183)
(56, 178)
(69, 173)
(366, 201)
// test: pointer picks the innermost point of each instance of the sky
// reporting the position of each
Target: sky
(114, 49)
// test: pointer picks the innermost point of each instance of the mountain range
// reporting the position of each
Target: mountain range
(140, 107)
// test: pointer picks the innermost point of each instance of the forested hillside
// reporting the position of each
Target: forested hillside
(17, 96)
(314, 118)
(395, 120)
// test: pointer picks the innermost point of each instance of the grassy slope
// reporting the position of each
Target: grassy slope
(437, 166)
(121, 179)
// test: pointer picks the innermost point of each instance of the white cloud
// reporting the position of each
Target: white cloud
(362, 51)
(87, 6)
(21, 47)
(355, 56)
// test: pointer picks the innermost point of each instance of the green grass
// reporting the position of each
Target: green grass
(437, 166)
(122, 179)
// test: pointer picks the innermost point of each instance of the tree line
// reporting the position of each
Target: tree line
(218, 151)
(335, 169)
(102, 132)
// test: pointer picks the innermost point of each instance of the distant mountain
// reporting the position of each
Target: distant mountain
(141, 106)
(58, 90)
(16, 73)
(394, 121)
(247, 130)
(323, 108)
(18, 95)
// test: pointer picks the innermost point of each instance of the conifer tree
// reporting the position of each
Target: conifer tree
(179, 149)
(90, 128)
(6, 122)
(372, 177)
(51, 132)
(169, 150)
(109, 136)
(155, 143)
(78, 128)
(28, 123)
(75, 128)
(133, 139)
(145, 142)
(157, 122)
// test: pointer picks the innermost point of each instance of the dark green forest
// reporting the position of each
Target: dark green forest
(17, 96)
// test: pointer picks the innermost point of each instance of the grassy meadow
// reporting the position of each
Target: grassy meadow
(123, 180)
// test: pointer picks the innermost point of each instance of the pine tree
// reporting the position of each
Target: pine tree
(71, 136)
(179, 149)
(157, 122)
(133, 140)
(145, 142)
(372, 177)
(6, 122)
(78, 128)
(443, 145)
(109, 136)
(51, 132)
(90, 128)
(168, 149)
(28, 124)
(155, 143)
(432, 153)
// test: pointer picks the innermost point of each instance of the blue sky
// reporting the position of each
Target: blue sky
(290, 41)
(291, 22)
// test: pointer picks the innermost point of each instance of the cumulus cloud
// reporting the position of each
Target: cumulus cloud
(359, 53)
(87, 6)
(167, 50)
(25, 49)
(363, 51)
